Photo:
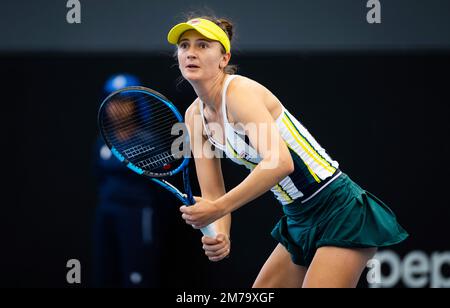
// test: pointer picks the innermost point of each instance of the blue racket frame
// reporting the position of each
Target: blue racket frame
(187, 199)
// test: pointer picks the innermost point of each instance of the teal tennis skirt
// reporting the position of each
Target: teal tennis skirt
(342, 214)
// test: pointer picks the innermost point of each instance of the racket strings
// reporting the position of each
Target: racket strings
(136, 124)
(135, 155)
(135, 112)
(137, 150)
(133, 123)
(124, 123)
(135, 120)
(140, 127)
(138, 137)
(143, 131)
(157, 161)
(146, 102)
(116, 105)
(159, 139)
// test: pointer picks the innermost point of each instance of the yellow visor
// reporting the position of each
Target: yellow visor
(203, 26)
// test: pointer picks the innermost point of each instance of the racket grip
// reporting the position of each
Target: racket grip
(209, 231)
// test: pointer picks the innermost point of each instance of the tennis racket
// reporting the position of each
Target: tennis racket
(142, 129)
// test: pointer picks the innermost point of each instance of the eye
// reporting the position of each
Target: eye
(203, 45)
(183, 45)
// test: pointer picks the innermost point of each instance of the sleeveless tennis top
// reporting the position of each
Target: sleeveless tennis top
(314, 168)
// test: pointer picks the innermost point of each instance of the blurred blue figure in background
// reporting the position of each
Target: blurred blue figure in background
(126, 251)
(120, 81)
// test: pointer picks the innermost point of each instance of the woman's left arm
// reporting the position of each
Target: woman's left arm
(246, 105)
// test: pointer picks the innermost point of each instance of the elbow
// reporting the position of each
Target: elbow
(282, 166)
(288, 166)
(286, 161)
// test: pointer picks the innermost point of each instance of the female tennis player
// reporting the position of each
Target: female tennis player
(331, 226)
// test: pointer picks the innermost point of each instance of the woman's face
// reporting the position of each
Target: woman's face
(200, 58)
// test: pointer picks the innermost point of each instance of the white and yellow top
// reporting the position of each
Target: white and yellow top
(314, 168)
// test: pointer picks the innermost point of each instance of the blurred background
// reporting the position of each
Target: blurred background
(375, 96)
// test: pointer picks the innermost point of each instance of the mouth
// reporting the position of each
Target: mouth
(192, 66)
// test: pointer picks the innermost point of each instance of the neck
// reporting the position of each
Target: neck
(210, 91)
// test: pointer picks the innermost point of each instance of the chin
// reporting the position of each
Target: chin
(192, 76)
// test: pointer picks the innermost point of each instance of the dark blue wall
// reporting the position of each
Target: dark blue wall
(142, 25)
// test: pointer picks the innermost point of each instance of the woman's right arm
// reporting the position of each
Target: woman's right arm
(209, 175)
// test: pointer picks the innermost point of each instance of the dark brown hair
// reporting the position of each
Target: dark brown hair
(227, 26)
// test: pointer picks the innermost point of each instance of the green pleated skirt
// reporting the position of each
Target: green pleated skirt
(343, 215)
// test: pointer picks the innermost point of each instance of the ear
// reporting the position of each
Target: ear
(225, 59)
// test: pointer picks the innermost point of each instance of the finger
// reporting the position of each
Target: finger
(221, 257)
(185, 209)
(221, 237)
(216, 253)
(198, 224)
(190, 222)
(193, 222)
(197, 199)
(215, 247)
(209, 240)
(186, 217)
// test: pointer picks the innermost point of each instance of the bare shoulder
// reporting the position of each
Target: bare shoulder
(245, 95)
(244, 84)
(243, 88)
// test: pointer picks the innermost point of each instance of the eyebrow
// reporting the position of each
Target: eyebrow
(197, 40)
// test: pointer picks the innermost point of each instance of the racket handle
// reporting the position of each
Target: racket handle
(209, 231)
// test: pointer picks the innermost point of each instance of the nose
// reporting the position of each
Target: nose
(191, 55)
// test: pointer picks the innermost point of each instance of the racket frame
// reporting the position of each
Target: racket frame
(187, 198)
